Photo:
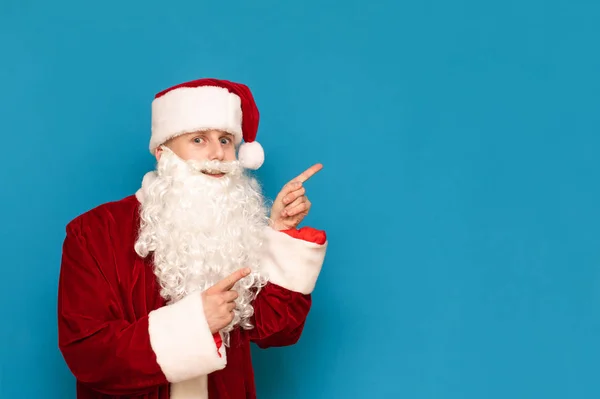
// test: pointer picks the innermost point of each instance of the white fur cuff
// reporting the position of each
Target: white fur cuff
(182, 341)
(292, 263)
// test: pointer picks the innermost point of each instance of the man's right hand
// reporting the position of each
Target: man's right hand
(219, 301)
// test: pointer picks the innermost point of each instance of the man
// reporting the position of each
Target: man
(162, 292)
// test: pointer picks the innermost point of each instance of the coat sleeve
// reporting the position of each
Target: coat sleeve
(110, 354)
(293, 261)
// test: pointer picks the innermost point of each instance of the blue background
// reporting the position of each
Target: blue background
(460, 191)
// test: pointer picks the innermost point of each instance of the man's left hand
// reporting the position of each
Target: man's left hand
(291, 204)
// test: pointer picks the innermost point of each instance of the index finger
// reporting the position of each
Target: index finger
(308, 173)
(228, 282)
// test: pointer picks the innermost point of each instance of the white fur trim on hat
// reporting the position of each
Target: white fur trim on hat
(190, 109)
(251, 155)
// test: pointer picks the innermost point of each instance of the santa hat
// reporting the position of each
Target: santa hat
(209, 104)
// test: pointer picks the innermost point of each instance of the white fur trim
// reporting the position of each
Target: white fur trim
(292, 263)
(182, 341)
(251, 155)
(190, 109)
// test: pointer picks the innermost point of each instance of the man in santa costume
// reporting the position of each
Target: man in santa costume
(162, 292)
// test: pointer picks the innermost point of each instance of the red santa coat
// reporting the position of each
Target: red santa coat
(121, 340)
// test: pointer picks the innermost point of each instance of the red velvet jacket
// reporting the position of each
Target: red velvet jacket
(119, 338)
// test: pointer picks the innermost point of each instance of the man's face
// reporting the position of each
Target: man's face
(209, 145)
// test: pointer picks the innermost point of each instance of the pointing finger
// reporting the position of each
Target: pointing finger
(308, 173)
(228, 282)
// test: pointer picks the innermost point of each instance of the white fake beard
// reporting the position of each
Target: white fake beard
(201, 229)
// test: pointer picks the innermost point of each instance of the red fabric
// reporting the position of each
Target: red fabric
(105, 294)
(218, 342)
(250, 113)
(308, 234)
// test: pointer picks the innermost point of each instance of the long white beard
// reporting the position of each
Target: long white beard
(200, 229)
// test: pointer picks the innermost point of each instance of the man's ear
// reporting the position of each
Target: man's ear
(158, 152)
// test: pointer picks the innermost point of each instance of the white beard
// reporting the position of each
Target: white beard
(200, 229)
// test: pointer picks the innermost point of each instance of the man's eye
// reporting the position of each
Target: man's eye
(225, 141)
(197, 140)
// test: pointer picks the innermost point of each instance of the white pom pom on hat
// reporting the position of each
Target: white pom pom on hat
(205, 104)
(251, 155)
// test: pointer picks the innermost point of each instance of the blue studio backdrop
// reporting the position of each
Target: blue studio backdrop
(460, 189)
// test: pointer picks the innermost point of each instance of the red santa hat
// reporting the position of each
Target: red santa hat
(209, 104)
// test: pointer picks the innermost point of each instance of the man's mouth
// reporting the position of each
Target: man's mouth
(213, 173)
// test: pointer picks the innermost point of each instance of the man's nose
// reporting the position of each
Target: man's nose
(216, 151)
